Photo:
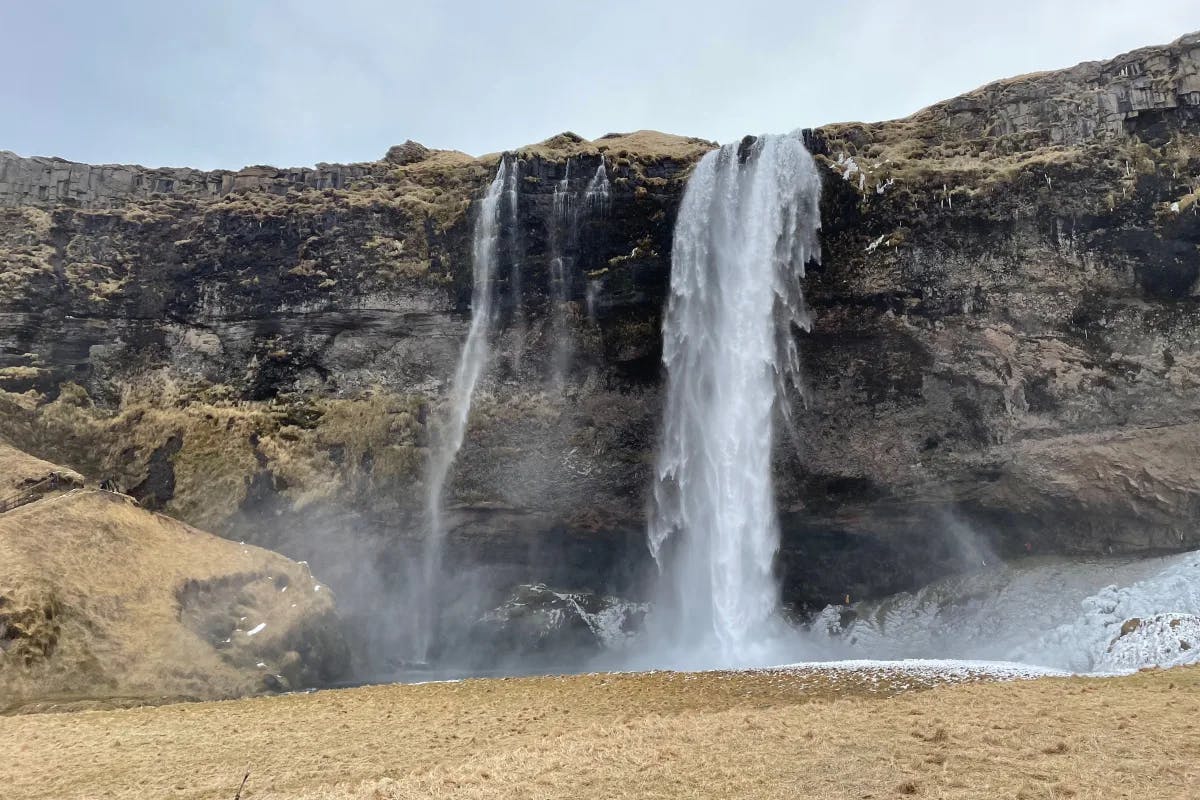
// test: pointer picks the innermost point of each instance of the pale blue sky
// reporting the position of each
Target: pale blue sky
(224, 83)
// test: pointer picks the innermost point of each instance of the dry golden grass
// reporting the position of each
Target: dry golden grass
(654, 144)
(659, 735)
(644, 144)
(19, 470)
(102, 600)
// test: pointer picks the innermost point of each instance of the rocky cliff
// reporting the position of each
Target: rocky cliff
(1005, 357)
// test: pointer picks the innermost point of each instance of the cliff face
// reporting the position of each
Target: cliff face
(1007, 340)
(1005, 355)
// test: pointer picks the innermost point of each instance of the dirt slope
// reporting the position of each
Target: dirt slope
(101, 600)
(19, 471)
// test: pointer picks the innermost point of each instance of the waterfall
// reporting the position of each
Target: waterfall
(562, 237)
(562, 194)
(592, 300)
(471, 362)
(597, 195)
(747, 226)
(512, 191)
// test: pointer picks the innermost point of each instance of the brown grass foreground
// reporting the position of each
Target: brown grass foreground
(660, 735)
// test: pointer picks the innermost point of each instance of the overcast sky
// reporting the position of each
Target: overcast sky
(224, 83)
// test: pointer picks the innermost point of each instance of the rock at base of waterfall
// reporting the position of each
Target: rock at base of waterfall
(536, 619)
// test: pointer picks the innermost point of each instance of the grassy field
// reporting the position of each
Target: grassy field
(658, 735)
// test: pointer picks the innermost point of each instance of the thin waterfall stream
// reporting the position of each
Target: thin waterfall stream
(569, 212)
(471, 363)
(563, 231)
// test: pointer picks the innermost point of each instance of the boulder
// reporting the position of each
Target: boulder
(558, 627)
(408, 153)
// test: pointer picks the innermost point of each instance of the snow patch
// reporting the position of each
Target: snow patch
(1098, 617)
(848, 166)
(1092, 642)
(938, 669)
(1165, 640)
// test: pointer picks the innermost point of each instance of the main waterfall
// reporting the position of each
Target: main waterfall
(746, 228)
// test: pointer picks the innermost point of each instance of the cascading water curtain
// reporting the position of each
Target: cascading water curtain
(747, 226)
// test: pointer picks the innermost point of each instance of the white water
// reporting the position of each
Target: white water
(1056, 613)
(744, 234)
(564, 237)
(471, 363)
(512, 192)
(592, 300)
(562, 194)
(598, 194)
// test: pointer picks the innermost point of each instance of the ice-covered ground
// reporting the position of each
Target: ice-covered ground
(1037, 617)
(1078, 616)
(918, 673)
(944, 670)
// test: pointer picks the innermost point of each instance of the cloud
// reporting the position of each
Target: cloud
(228, 83)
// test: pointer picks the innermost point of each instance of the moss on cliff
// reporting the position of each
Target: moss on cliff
(201, 460)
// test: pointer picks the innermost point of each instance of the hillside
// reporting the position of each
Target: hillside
(102, 603)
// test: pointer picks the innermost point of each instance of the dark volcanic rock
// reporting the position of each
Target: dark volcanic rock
(563, 629)
(408, 153)
(1005, 355)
